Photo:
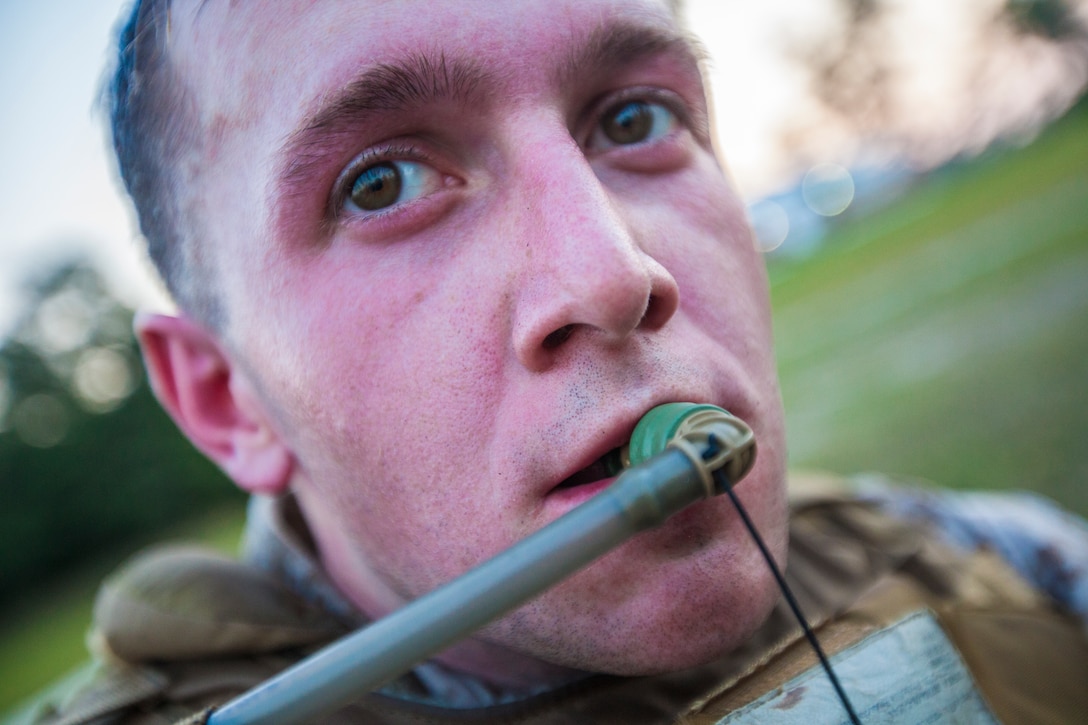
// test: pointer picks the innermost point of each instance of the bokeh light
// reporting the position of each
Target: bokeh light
(103, 379)
(770, 224)
(5, 398)
(40, 420)
(828, 189)
(64, 322)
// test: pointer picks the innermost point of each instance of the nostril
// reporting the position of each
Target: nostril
(653, 306)
(659, 310)
(558, 337)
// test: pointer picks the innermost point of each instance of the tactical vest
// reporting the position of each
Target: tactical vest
(915, 628)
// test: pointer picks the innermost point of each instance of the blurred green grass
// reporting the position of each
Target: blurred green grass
(945, 337)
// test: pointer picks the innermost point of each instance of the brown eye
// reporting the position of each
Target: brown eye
(633, 122)
(380, 187)
(628, 123)
(377, 187)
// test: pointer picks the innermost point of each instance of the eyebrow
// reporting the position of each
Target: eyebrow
(616, 45)
(412, 82)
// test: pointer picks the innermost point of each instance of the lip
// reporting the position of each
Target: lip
(617, 434)
(568, 498)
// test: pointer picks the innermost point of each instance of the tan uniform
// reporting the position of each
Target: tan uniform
(180, 630)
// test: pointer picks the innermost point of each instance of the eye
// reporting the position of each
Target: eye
(632, 122)
(388, 183)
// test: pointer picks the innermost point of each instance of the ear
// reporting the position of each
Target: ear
(213, 402)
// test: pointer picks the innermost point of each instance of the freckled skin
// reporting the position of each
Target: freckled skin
(404, 361)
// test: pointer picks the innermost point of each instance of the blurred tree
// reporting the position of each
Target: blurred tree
(879, 80)
(1051, 19)
(88, 460)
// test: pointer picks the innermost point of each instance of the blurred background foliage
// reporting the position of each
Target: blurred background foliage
(88, 458)
(874, 90)
(929, 323)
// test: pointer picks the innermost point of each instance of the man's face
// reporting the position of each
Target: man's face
(463, 248)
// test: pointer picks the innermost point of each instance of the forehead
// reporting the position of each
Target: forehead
(245, 60)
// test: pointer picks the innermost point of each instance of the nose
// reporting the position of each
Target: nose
(587, 279)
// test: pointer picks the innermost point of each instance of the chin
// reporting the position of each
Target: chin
(707, 604)
(674, 598)
(693, 628)
(698, 641)
(678, 615)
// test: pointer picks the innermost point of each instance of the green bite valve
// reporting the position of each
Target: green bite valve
(683, 424)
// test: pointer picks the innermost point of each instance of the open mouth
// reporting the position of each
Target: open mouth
(603, 467)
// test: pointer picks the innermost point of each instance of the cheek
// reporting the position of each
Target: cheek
(393, 366)
(397, 376)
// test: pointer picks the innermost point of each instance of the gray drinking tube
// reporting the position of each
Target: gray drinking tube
(699, 438)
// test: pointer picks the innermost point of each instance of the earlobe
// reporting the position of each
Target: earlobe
(213, 403)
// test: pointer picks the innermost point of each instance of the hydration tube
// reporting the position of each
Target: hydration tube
(679, 453)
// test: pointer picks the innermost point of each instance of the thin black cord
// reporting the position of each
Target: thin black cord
(723, 483)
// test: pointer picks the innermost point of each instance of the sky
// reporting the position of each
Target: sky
(58, 194)
(58, 189)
